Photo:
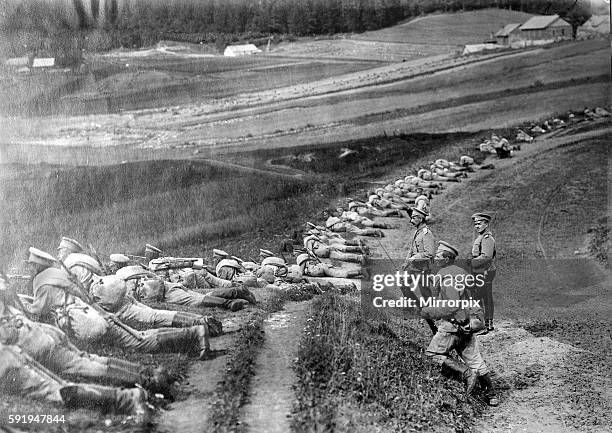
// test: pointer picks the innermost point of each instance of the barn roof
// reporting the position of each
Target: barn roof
(508, 28)
(540, 22)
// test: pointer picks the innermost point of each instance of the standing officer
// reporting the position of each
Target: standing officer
(419, 258)
(483, 263)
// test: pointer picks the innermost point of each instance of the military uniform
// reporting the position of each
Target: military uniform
(456, 327)
(483, 263)
(49, 346)
(336, 224)
(314, 244)
(311, 268)
(22, 375)
(53, 299)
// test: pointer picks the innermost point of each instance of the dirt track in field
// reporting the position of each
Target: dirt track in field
(435, 94)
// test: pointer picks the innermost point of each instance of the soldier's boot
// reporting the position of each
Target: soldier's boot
(358, 273)
(156, 380)
(466, 374)
(236, 304)
(487, 388)
(489, 325)
(185, 320)
(243, 293)
(204, 342)
(132, 401)
(364, 248)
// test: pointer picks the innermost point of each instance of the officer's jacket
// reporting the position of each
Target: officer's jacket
(483, 253)
(422, 245)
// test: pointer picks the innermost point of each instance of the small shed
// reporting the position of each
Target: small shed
(509, 34)
(43, 62)
(544, 29)
(17, 61)
(477, 48)
(594, 27)
(240, 50)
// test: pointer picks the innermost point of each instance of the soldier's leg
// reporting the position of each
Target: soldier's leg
(489, 308)
(215, 281)
(469, 351)
(195, 299)
(106, 399)
(22, 375)
(346, 248)
(347, 257)
(439, 350)
(138, 313)
(238, 292)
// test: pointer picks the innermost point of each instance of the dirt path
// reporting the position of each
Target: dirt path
(271, 401)
(547, 384)
(190, 415)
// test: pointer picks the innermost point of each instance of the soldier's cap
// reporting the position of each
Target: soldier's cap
(302, 258)
(421, 171)
(313, 232)
(372, 198)
(445, 246)
(399, 182)
(265, 253)
(40, 257)
(220, 253)
(71, 245)
(119, 258)
(238, 259)
(421, 197)
(150, 248)
(379, 190)
(274, 261)
(419, 212)
(481, 216)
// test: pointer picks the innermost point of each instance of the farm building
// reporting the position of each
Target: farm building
(477, 48)
(508, 35)
(18, 61)
(240, 50)
(543, 29)
(43, 62)
(596, 26)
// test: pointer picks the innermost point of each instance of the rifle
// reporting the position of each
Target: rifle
(83, 294)
(411, 294)
(95, 255)
(165, 263)
(12, 295)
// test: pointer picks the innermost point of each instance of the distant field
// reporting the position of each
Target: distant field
(123, 83)
(422, 37)
(454, 29)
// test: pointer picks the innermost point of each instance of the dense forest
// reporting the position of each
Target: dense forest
(95, 25)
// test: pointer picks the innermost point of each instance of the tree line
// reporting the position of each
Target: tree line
(106, 24)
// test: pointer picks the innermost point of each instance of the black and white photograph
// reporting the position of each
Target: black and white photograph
(305, 216)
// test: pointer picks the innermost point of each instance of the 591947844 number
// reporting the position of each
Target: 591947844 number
(35, 418)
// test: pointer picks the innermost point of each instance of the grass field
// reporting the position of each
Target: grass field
(453, 29)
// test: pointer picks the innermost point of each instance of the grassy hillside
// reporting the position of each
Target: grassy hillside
(453, 29)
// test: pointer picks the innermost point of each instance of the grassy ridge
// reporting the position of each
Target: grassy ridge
(359, 372)
(119, 208)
